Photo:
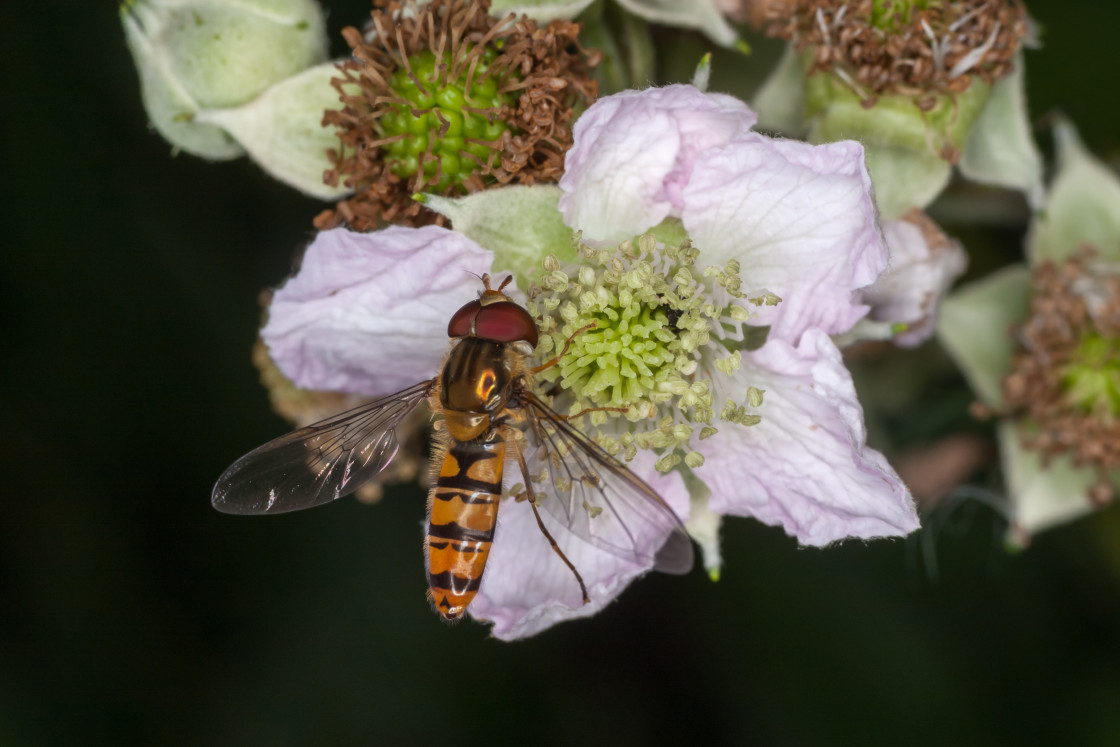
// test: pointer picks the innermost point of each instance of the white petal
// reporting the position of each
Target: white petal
(801, 221)
(924, 263)
(633, 154)
(527, 588)
(367, 313)
(806, 467)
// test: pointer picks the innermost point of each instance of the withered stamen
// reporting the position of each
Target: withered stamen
(937, 48)
(526, 63)
(1075, 309)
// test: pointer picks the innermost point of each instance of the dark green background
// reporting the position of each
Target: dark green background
(131, 612)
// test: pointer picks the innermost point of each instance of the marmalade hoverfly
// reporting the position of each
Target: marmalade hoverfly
(484, 393)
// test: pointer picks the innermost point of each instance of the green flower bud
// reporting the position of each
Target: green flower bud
(217, 54)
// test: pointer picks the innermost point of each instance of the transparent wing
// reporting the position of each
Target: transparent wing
(319, 463)
(601, 501)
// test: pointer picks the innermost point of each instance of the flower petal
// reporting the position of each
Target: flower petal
(527, 588)
(799, 218)
(633, 154)
(367, 313)
(806, 467)
(924, 263)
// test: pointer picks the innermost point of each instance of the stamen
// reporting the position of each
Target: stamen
(659, 343)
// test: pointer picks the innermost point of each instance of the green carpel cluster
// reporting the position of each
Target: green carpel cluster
(1092, 377)
(449, 126)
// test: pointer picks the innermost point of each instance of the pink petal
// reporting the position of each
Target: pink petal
(633, 155)
(924, 263)
(367, 313)
(527, 588)
(799, 218)
(806, 467)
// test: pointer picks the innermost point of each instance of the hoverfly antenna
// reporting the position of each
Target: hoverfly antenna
(490, 295)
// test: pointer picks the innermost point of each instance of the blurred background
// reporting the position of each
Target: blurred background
(132, 613)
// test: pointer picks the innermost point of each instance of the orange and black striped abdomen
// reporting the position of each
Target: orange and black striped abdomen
(464, 509)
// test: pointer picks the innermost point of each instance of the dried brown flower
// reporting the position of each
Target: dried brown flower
(1075, 311)
(517, 84)
(905, 49)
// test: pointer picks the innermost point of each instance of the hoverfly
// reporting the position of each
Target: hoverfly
(484, 393)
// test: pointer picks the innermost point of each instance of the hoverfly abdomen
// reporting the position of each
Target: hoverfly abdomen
(462, 516)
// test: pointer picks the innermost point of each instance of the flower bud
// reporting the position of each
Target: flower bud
(219, 54)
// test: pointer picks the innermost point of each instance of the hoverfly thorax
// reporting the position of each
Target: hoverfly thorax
(475, 384)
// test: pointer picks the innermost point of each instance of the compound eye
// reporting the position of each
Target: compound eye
(505, 321)
(460, 324)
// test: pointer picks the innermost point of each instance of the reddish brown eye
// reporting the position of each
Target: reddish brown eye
(460, 324)
(505, 321)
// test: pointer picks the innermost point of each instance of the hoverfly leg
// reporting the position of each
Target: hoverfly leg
(567, 343)
(540, 524)
(556, 548)
(586, 410)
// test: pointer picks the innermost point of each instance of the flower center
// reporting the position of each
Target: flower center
(1092, 377)
(445, 123)
(644, 332)
(889, 15)
(441, 97)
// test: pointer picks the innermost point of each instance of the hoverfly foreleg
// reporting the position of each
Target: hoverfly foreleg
(540, 524)
(567, 343)
(586, 410)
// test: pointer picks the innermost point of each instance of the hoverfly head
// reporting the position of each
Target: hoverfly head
(493, 316)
